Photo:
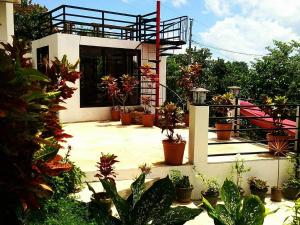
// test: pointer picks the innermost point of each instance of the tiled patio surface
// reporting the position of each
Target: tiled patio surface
(133, 144)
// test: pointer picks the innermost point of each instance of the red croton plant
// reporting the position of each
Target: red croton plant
(30, 132)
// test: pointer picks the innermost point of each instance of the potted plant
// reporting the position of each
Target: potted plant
(211, 190)
(223, 125)
(106, 172)
(291, 188)
(278, 110)
(113, 90)
(258, 187)
(148, 118)
(173, 145)
(188, 80)
(128, 85)
(238, 169)
(183, 187)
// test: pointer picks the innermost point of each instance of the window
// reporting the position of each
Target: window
(42, 58)
(96, 62)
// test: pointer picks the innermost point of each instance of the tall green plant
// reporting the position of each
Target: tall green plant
(235, 210)
(145, 206)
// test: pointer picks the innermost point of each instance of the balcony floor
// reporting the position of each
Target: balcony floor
(134, 144)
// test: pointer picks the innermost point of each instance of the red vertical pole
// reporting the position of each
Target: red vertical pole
(157, 53)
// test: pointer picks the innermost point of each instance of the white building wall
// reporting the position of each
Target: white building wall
(6, 22)
(60, 44)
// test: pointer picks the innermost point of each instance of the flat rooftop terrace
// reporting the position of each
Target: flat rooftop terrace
(135, 145)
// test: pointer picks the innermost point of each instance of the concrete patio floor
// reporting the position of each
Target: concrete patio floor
(134, 144)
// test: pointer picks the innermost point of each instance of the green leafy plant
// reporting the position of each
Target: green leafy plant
(235, 210)
(169, 116)
(238, 169)
(145, 206)
(295, 218)
(179, 180)
(277, 108)
(211, 185)
(257, 184)
(225, 102)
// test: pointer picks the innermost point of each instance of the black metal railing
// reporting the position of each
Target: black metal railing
(107, 24)
(245, 131)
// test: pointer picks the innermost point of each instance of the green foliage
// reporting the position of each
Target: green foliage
(65, 211)
(143, 206)
(238, 169)
(179, 180)
(235, 210)
(295, 218)
(257, 184)
(28, 22)
(66, 183)
(211, 185)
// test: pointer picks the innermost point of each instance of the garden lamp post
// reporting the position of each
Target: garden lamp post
(236, 90)
(199, 96)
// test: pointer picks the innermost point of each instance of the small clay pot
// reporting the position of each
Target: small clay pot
(126, 118)
(115, 115)
(276, 194)
(148, 120)
(184, 194)
(173, 152)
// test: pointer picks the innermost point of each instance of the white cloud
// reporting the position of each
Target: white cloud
(251, 25)
(247, 35)
(178, 3)
(218, 7)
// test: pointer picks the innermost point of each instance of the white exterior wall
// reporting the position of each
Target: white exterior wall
(6, 22)
(60, 44)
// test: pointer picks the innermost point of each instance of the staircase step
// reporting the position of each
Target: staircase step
(154, 61)
(169, 48)
(166, 54)
(149, 20)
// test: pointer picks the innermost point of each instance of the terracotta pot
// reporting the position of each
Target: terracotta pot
(186, 119)
(276, 194)
(291, 193)
(212, 198)
(281, 140)
(148, 120)
(115, 115)
(260, 193)
(173, 152)
(126, 118)
(223, 135)
(184, 194)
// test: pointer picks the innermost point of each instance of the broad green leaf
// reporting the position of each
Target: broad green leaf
(157, 199)
(39, 95)
(230, 194)
(120, 204)
(253, 211)
(45, 153)
(137, 188)
(31, 75)
(224, 216)
(177, 216)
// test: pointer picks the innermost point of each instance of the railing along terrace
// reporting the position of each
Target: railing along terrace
(107, 24)
(246, 129)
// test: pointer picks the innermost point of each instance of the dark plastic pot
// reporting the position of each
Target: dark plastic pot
(184, 194)
(102, 200)
(276, 194)
(260, 193)
(211, 197)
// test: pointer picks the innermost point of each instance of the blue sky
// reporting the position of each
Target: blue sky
(245, 26)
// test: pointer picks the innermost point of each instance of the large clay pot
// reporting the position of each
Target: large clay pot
(223, 135)
(186, 119)
(115, 115)
(279, 140)
(148, 120)
(173, 152)
(184, 194)
(276, 194)
(125, 118)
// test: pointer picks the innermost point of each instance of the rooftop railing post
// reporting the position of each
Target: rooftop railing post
(297, 144)
(64, 19)
(103, 24)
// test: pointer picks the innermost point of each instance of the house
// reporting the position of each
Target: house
(108, 43)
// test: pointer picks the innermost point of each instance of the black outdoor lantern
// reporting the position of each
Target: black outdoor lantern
(235, 90)
(199, 96)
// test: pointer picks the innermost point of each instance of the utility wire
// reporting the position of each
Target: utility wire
(227, 50)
